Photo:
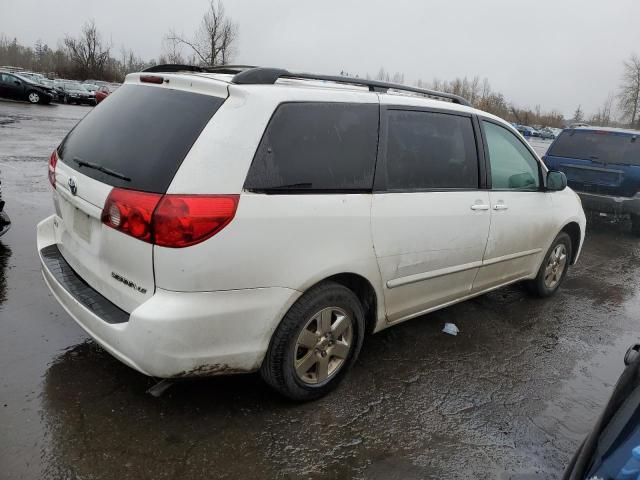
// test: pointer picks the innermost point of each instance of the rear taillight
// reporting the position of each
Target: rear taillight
(173, 221)
(53, 161)
(184, 220)
(131, 212)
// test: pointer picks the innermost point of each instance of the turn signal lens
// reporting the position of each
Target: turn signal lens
(130, 212)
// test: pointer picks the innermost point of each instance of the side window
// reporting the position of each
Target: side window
(427, 150)
(513, 167)
(317, 146)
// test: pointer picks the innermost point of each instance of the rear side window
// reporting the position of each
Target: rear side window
(602, 146)
(428, 150)
(139, 137)
(317, 147)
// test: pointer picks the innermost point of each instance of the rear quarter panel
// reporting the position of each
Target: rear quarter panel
(291, 241)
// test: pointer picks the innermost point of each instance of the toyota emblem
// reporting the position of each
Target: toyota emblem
(72, 186)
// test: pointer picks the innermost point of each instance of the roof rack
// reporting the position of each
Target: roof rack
(251, 75)
(175, 67)
(269, 76)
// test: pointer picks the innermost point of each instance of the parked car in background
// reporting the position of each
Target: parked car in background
(91, 87)
(603, 166)
(546, 133)
(527, 131)
(17, 87)
(612, 449)
(5, 221)
(154, 251)
(74, 92)
(104, 91)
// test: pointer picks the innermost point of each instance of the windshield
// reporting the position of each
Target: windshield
(141, 133)
(598, 145)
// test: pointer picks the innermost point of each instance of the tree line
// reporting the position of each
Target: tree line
(89, 56)
(213, 42)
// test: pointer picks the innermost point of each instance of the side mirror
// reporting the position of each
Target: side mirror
(17, 82)
(556, 181)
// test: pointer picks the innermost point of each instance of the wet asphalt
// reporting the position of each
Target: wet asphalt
(511, 396)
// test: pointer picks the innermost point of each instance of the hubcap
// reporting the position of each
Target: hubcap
(33, 97)
(323, 345)
(555, 266)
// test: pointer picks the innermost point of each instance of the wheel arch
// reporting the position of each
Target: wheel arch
(575, 234)
(365, 292)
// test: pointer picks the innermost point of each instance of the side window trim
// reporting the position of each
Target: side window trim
(379, 180)
(541, 183)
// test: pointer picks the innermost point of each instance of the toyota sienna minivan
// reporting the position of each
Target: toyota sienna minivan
(252, 219)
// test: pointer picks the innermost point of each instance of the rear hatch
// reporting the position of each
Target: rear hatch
(136, 140)
(604, 162)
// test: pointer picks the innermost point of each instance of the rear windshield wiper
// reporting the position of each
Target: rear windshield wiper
(100, 168)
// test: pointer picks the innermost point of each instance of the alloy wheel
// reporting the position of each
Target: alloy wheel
(323, 345)
(555, 266)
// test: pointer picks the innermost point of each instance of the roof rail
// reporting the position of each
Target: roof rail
(269, 76)
(175, 67)
(252, 75)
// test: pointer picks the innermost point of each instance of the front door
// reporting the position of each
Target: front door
(12, 86)
(520, 210)
(430, 219)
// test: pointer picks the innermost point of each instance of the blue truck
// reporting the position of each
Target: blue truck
(603, 166)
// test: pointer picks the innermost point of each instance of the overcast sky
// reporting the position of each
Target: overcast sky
(554, 53)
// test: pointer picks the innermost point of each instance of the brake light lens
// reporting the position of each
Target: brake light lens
(152, 79)
(185, 220)
(53, 161)
(173, 221)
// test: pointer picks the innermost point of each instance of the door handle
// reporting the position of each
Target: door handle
(500, 206)
(478, 206)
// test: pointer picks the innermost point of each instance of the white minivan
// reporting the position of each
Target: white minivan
(232, 219)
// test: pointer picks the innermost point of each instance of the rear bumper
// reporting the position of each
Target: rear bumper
(176, 334)
(610, 204)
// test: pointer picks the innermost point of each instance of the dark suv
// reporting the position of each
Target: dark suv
(18, 87)
(603, 166)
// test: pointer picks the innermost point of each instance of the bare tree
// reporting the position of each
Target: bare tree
(87, 52)
(214, 41)
(578, 115)
(383, 75)
(629, 96)
(171, 52)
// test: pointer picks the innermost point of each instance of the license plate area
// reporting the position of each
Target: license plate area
(82, 224)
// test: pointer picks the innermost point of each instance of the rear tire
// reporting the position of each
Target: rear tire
(553, 269)
(316, 343)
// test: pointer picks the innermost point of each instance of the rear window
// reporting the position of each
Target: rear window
(317, 147)
(606, 147)
(139, 137)
(427, 150)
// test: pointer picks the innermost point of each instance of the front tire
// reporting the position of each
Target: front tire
(33, 97)
(554, 267)
(317, 342)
